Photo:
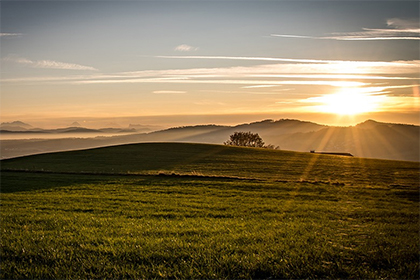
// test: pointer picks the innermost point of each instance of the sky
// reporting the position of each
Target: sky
(196, 62)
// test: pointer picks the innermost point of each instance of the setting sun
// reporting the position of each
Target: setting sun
(349, 101)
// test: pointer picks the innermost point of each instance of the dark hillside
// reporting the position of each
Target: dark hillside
(219, 160)
(199, 211)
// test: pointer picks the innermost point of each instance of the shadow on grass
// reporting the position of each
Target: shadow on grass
(11, 182)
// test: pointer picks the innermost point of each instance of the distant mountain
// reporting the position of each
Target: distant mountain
(369, 139)
(15, 126)
(16, 123)
(75, 127)
(144, 128)
(117, 130)
(66, 130)
(269, 130)
(75, 124)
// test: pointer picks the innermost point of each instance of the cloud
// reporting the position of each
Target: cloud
(406, 24)
(243, 58)
(399, 29)
(260, 86)
(314, 66)
(48, 64)
(287, 72)
(10, 34)
(412, 64)
(226, 81)
(62, 65)
(185, 48)
(367, 36)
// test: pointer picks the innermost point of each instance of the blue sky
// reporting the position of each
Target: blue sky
(94, 60)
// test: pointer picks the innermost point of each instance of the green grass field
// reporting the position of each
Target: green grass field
(166, 210)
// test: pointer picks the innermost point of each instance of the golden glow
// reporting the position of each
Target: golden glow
(349, 101)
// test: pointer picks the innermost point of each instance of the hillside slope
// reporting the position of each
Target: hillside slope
(219, 160)
(199, 211)
(369, 139)
(212, 134)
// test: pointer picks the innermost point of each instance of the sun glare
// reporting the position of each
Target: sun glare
(348, 102)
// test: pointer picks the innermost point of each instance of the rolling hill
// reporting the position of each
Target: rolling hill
(370, 139)
(219, 160)
(203, 211)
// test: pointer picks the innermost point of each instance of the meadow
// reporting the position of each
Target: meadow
(174, 210)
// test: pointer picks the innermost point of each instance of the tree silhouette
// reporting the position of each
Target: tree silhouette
(245, 139)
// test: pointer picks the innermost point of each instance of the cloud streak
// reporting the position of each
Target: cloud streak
(10, 34)
(226, 81)
(333, 70)
(292, 73)
(399, 29)
(365, 37)
(298, 65)
(48, 64)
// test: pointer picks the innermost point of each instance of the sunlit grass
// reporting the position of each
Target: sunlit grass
(75, 226)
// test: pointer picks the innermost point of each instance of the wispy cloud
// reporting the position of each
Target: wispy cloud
(285, 75)
(367, 36)
(10, 34)
(299, 65)
(260, 86)
(244, 58)
(398, 29)
(48, 64)
(185, 48)
(226, 81)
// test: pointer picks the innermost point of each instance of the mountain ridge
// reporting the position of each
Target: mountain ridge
(369, 139)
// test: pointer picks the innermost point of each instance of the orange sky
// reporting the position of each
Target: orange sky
(185, 62)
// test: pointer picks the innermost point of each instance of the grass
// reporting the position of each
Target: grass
(310, 223)
(218, 160)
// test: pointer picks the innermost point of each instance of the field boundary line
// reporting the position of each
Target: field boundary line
(172, 175)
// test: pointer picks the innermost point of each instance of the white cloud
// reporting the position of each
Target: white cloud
(404, 23)
(226, 81)
(10, 34)
(244, 58)
(261, 86)
(185, 48)
(313, 66)
(48, 64)
(61, 65)
(399, 29)
(367, 36)
(291, 71)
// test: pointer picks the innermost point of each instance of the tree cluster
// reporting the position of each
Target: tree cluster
(247, 139)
